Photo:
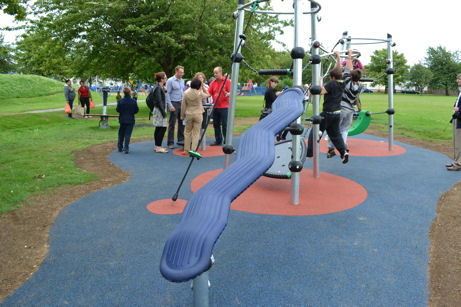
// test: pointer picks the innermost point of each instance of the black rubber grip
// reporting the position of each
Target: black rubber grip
(280, 72)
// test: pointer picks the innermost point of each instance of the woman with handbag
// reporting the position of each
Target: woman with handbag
(159, 114)
(69, 93)
(84, 96)
(269, 96)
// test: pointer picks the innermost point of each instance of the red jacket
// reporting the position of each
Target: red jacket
(214, 89)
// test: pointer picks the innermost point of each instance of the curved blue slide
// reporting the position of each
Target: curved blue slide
(187, 252)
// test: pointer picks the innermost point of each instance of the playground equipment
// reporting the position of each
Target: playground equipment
(188, 251)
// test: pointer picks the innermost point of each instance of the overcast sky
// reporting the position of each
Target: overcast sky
(414, 25)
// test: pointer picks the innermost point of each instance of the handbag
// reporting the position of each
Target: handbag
(265, 112)
(80, 111)
(92, 105)
(67, 109)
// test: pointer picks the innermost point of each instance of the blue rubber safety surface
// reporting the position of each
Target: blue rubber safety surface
(105, 248)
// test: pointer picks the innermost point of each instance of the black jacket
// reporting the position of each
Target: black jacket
(159, 99)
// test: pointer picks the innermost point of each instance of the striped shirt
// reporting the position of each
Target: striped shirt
(351, 91)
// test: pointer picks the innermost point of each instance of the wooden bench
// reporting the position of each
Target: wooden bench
(104, 118)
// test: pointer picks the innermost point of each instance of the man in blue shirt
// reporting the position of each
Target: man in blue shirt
(175, 91)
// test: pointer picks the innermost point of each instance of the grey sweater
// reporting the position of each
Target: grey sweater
(69, 93)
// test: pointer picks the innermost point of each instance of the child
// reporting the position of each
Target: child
(118, 96)
(350, 98)
(192, 110)
(333, 92)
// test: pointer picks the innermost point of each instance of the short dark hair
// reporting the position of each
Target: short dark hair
(356, 74)
(159, 76)
(336, 73)
(67, 80)
(196, 83)
(126, 90)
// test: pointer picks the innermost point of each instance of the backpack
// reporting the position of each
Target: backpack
(150, 99)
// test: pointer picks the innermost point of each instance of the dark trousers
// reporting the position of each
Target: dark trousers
(71, 104)
(85, 101)
(175, 116)
(330, 123)
(220, 124)
(158, 135)
(124, 136)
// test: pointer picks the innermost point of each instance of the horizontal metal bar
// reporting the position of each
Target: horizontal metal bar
(368, 39)
(250, 4)
(245, 8)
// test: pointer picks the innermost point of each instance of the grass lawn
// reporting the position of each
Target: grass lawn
(36, 149)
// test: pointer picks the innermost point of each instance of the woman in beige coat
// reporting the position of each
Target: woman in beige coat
(192, 110)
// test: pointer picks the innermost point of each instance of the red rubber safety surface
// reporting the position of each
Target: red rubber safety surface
(273, 196)
(367, 148)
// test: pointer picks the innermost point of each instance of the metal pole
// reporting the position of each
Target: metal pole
(297, 81)
(234, 83)
(200, 287)
(390, 80)
(315, 98)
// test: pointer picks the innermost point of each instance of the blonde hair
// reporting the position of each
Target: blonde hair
(197, 75)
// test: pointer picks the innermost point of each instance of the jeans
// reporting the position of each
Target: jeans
(71, 103)
(330, 123)
(124, 136)
(220, 120)
(175, 116)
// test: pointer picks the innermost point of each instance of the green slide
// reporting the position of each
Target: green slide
(361, 124)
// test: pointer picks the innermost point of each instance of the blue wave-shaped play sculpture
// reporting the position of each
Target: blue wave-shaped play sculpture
(187, 252)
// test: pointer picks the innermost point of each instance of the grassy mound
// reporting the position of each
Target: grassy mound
(27, 86)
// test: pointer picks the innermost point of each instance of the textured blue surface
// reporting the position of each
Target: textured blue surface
(188, 250)
(105, 248)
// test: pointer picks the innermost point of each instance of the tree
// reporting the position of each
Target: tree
(6, 57)
(444, 66)
(419, 77)
(17, 8)
(122, 37)
(377, 67)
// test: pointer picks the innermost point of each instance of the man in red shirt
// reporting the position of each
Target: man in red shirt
(84, 96)
(221, 106)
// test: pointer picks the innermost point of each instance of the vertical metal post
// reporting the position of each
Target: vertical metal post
(315, 98)
(234, 83)
(390, 81)
(297, 81)
(104, 120)
(200, 287)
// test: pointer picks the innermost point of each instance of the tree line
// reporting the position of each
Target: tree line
(120, 39)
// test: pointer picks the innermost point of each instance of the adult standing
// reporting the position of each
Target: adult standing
(269, 96)
(192, 112)
(175, 92)
(127, 107)
(221, 106)
(69, 93)
(456, 121)
(206, 101)
(159, 114)
(84, 96)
